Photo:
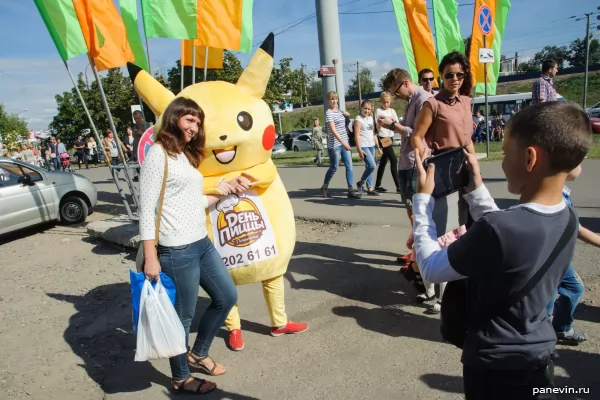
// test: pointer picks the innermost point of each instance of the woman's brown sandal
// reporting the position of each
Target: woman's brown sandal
(204, 386)
(199, 364)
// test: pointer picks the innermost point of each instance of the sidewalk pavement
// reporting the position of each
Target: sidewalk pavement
(304, 182)
(303, 185)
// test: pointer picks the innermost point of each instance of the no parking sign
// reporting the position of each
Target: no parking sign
(146, 141)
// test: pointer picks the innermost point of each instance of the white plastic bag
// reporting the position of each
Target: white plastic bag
(160, 333)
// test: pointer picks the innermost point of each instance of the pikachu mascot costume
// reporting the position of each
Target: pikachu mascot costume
(254, 232)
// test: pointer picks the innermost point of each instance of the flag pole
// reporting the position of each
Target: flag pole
(148, 53)
(205, 62)
(87, 112)
(111, 123)
(193, 64)
(182, 74)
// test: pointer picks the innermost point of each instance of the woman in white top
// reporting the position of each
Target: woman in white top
(386, 138)
(185, 252)
(366, 142)
(93, 150)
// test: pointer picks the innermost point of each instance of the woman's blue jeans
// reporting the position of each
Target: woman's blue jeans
(571, 291)
(367, 176)
(191, 266)
(334, 160)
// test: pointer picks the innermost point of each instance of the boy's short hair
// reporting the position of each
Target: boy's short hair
(332, 95)
(547, 65)
(562, 129)
(395, 77)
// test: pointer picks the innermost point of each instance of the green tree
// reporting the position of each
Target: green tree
(232, 69)
(577, 52)
(13, 130)
(70, 119)
(467, 42)
(559, 54)
(285, 83)
(314, 88)
(366, 83)
(529, 66)
(380, 82)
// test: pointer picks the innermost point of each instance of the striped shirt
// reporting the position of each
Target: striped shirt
(338, 119)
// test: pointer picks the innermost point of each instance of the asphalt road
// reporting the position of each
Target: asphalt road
(65, 321)
(303, 184)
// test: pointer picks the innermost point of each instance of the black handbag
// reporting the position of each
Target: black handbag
(454, 322)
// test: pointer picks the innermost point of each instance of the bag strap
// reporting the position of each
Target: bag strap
(517, 296)
(162, 196)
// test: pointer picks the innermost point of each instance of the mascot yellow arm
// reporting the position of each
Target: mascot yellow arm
(264, 173)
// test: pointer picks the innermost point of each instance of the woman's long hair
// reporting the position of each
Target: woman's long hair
(458, 58)
(171, 137)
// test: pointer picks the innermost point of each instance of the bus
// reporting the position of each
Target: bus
(504, 104)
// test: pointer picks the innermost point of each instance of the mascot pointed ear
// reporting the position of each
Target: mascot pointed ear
(150, 90)
(256, 76)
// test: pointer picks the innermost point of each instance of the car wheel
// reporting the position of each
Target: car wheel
(296, 149)
(73, 210)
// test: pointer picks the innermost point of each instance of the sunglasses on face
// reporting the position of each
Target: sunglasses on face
(427, 79)
(450, 75)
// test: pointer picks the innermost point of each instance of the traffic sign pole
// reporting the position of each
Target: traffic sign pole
(487, 126)
(485, 26)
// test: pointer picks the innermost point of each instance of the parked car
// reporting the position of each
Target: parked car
(31, 195)
(595, 124)
(278, 148)
(288, 138)
(594, 111)
(302, 143)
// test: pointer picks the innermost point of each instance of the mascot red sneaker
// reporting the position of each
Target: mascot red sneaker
(254, 232)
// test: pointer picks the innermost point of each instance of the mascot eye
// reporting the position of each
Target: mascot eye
(244, 120)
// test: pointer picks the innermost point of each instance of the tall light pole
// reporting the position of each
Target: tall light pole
(330, 48)
(587, 59)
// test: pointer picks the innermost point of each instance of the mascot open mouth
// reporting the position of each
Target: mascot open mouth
(226, 155)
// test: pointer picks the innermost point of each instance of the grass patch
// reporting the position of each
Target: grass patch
(307, 157)
(569, 86)
(496, 150)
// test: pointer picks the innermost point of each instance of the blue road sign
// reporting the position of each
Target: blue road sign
(485, 20)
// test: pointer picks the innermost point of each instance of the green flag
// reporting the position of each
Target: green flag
(130, 18)
(447, 30)
(502, 8)
(62, 24)
(247, 29)
(170, 19)
(400, 12)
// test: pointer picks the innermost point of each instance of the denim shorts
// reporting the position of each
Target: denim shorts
(408, 185)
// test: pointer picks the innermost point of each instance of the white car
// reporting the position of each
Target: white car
(302, 142)
(31, 195)
(594, 111)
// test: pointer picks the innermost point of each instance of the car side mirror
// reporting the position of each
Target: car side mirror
(25, 180)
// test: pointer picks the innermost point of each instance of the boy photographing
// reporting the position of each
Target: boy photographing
(508, 354)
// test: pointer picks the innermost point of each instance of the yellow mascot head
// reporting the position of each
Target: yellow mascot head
(238, 124)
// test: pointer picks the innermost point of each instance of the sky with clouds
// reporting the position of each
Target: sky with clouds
(32, 73)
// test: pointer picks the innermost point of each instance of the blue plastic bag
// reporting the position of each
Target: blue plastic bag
(137, 282)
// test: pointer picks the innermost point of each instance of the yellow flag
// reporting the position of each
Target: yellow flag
(219, 24)
(215, 56)
(104, 33)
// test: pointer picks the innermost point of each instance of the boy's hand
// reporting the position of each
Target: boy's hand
(425, 179)
(410, 242)
(475, 179)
